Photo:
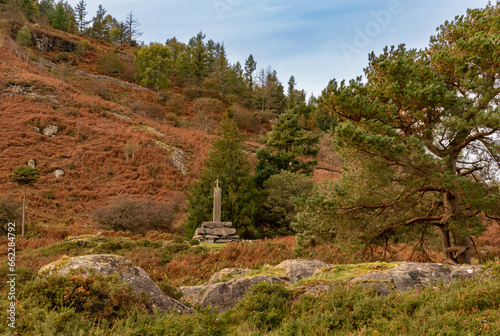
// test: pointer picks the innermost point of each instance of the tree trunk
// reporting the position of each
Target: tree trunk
(445, 242)
(461, 253)
(24, 212)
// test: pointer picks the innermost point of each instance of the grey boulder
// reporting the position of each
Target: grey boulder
(107, 264)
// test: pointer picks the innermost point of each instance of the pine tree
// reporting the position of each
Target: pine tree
(24, 176)
(228, 163)
(288, 147)
(98, 30)
(60, 20)
(250, 66)
(81, 13)
(421, 140)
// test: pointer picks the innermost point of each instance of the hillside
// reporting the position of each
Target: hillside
(103, 122)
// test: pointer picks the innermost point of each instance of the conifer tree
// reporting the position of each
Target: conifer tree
(288, 147)
(60, 20)
(24, 176)
(250, 67)
(421, 140)
(98, 30)
(228, 163)
(81, 13)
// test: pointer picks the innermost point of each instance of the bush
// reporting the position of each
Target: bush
(264, 307)
(207, 111)
(246, 119)
(192, 92)
(174, 102)
(24, 36)
(10, 212)
(111, 65)
(95, 296)
(83, 46)
(137, 216)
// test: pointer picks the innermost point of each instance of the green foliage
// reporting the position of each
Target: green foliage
(94, 297)
(24, 37)
(278, 208)
(154, 66)
(422, 153)
(263, 308)
(25, 175)
(60, 19)
(111, 65)
(228, 163)
(288, 147)
(30, 9)
(138, 216)
(269, 92)
(460, 308)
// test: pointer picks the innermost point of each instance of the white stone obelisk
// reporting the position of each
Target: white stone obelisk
(217, 202)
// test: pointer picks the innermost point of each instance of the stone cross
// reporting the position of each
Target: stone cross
(217, 202)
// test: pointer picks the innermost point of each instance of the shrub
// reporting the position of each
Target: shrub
(246, 119)
(138, 216)
(264, 307)
(174, 102)
(207, 111)
(83, 46)
(94, 296)
(10, 212)
(24, 36)
(111, 65)
(192, 92)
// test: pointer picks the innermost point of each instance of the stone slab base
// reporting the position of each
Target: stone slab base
(216, 232)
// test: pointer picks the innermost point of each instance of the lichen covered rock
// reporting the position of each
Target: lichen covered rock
(107, 264)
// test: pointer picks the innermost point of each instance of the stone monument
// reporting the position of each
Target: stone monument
(216, 231)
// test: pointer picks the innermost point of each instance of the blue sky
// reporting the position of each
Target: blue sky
(315, 41)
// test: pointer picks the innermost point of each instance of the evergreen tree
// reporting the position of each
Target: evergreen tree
(81, 13)
(269, 92)
(98, 30)
(24, 176)
(421, 138)
(228, 163)
(278, 206)
(60, 20)
(250, 67)
(288, 147)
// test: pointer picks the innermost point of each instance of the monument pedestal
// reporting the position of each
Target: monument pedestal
(216, 232)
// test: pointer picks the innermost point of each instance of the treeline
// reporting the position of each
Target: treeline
(201, 68)
(62, 16)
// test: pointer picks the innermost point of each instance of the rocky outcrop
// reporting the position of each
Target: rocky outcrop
(228, 273)
(409, 275)
(107, 264)
(216, 232)
(223, 295)
(47, 42)
(297, 269)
